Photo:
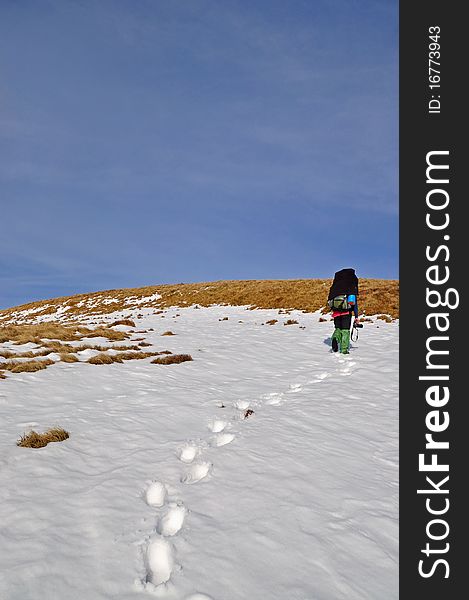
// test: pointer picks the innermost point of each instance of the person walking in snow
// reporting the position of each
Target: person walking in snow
(342, 300)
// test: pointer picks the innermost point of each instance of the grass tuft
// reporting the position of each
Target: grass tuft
(107, 359)
(127, 322)
(136, 355)
(39, 440)
(27, 366)
(168, 333)
(172, 359)
(104, 359)
(68, 357)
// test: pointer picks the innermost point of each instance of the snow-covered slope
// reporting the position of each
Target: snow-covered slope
(165, 489)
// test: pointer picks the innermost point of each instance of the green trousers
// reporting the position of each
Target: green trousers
(343, 339)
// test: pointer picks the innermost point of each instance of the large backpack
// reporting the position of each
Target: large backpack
(339, 302)
(345, 283)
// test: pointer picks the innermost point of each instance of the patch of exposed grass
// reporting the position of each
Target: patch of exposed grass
(172, 359)
(110, 334)
(107, 359)
(136, 355)
(68, 357)
(27, 366)
(127, 322)
(29, 354)
(271, 322)
(104, 359)
(291, 322)
(122, 348)
(2, 375)
(144, 344)
(22, 334)
(168, 333)
(39, 440)
(47, 334)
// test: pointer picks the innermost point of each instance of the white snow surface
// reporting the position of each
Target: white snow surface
(164, 489)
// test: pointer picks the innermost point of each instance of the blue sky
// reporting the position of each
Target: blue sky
(158, 141)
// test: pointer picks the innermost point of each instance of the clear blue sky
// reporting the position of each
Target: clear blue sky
(158, 141)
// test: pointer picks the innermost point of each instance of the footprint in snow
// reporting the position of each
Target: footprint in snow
(188, 452)
(320, 377)
(159, 561)
(217, 425)
(196, 472)
(295, 387)
(221, 439)
(274, 398)
(242, 404)
(324, 375)
(155, 494)
(347, 368)
(172, 520)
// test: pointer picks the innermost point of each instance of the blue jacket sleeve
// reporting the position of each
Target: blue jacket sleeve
(355, 309)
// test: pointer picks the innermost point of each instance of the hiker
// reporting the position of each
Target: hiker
(342, 300)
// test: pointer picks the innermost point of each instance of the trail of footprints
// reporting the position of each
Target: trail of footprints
(159, 552)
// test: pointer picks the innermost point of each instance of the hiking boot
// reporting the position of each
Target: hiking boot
(335, 345)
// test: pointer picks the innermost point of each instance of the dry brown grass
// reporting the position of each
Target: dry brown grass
(22, 334)
(127, 322)
(45, 334)
(67, 353)
(271, 322)
(39, 440)
(136, 355)
(27, 366)
(110, 334)
(107, 359)
(122, 348)
(2, 375)
(29, 354)
(168, 333)
(291, 322)
(144, 344)
(377, 296)
(172, 359)
(68, 357)
(104, 359)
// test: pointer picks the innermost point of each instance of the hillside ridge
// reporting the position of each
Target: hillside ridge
(377, 296)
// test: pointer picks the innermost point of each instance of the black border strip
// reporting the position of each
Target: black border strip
(434, 127)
